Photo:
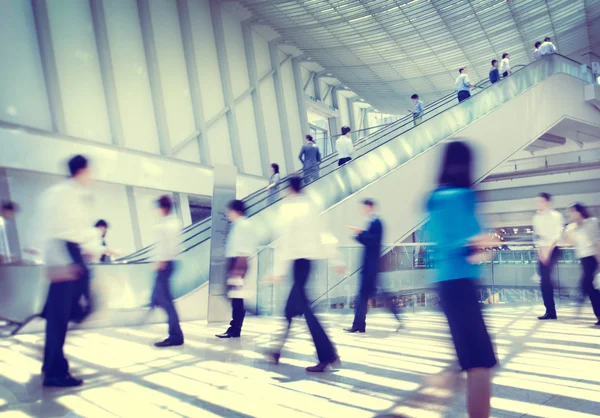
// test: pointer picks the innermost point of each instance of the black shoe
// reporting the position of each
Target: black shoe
(547, 316)
(62, 382)
(321, 367)
(227, 335)
(597, 323)
(169, 343)
(354, 330)
(274, 356)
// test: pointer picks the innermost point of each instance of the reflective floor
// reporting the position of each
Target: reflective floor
(548, 369)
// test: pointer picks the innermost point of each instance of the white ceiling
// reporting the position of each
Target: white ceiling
(386, 50)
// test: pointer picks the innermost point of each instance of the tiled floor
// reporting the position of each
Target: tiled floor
(548, 369)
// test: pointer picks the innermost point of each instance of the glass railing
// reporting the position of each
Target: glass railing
(408, 279)
(392, 146)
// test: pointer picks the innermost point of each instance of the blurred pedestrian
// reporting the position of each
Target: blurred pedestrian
(584, 234)
(344, 146)
(417, 110)
(537, 54)
(303, 240)
(548, 227)
(371, 238)
(68, 228)
(457, 234)
(310, 156)
(167, 249)
(505, 65)
(547, 47)
(240, 246)
(494, 72)
(7, 213)
(273, 186)
(463, 85)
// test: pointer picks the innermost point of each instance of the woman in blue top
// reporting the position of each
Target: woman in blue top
(456, 232)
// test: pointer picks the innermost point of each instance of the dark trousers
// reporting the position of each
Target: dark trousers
(463, 95)
(63, 304)
(238, 310)
(361, 306)
(546, 285)
(589, 266)
(505, 74)
(162, 297)
(297, 304)
(343, 161)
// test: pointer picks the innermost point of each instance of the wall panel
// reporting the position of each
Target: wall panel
(248, 137)
(291, 105)
(218, 138)
(263, 58)
(273, 129)
(236, 54)
(23, 96)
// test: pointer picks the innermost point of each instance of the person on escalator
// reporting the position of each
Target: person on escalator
(417, 110)
(494, 72)
(463, 85)
(505, 65)
(458, 236)
(310, 156)
(168, 248)
(547, 47)
(537, 54)
(240, 246)
(344, 146)
(7, 213)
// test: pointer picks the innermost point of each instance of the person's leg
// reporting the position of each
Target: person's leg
(479, 392)
(58, 311)
(239, 313)
(589, 266)
(547, 289)
(175, 333)
(360, 310)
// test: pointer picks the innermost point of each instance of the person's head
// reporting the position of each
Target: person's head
(415, 98)
(295, 184)
(463, 70)
(165, 205)
(494, 63)
(577, 212)
(537, 44)
(308, 138)
(346, 130)
(368, 206)
(547, 39)
(456, 170)
(275, 168)
(102, 225)
(79, 169)
(235, 210)
(505, 55)
(9, 209)
(543, 201)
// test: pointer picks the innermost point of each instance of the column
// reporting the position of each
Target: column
(300, 96)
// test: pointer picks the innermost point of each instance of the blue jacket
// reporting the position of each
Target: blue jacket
(371, 239)
(494, 75)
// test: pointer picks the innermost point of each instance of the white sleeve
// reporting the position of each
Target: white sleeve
(560, 226)
(350, 146)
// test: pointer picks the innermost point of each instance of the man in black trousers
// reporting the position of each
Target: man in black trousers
(240, 246)
(371, 239)
(66, 208)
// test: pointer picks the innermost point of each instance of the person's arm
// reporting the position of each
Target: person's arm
(557, 235)
(301, 156)
(244, 244)
(468, 82)
(552, 48)
(318, 155)
(350, 147)
(372, 235)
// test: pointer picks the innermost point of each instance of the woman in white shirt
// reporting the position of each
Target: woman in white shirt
(584, 234)
(505, 65)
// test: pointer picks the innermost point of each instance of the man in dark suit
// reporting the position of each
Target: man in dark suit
(372, 239)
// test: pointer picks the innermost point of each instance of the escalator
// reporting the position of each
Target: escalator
(394, 165)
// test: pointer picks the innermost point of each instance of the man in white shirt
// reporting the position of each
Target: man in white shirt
(168, 248)
(547, 47)
(505, 65)
(536, 52)
(68, 229)
(303, 240)
(548, 227)
(238, 249)
(463, 85)
(7, 213)
(344, 146)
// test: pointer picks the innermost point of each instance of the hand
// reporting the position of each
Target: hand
(160, 266)
(354, 230)
(272, 279)
(340, 270)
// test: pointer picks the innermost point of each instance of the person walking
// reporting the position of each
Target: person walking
(7, 213)
(240, 246)
(417, 110)
(302, 241)
(344, 146)
(547, 47)
(548, 227)
(505, 65)
(310, 157)
(455, 230)
(371, 238)
(537, 54)
(494, 72)
(584, 234)
(273, 186)
(68, 228)
(463, 85)
(168, 248)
